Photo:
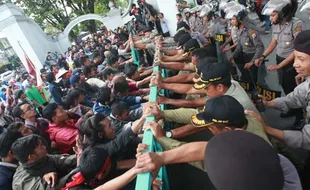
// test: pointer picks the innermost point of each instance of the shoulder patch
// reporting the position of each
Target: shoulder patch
(252, 33)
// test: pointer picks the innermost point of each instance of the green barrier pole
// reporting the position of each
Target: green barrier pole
(144, 181)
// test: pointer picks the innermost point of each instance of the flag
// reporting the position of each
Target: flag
(30, 67)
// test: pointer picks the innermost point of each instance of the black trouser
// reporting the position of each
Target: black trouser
(167, 34)
(245, 74)
(287, 76)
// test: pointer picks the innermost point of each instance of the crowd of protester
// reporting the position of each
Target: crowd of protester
(82, 127)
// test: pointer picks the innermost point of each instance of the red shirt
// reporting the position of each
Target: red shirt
(64, 135)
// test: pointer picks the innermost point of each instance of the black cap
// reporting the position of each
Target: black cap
(182, 25)
(184, 38)
(201, 64)
(190, 45)
(221, 110)
(212, 73)
(241, 160)
(178, 35)
(302, 42)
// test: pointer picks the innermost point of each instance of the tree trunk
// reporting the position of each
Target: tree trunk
(92, 26)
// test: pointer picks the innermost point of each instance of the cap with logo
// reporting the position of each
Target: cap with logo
(201, 64)
(220, 110)
(212, 73)
(190, 45)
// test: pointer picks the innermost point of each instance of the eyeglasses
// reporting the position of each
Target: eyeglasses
(28, 108)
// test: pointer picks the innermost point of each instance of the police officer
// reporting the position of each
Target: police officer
(285, 28)
(199, 20)
(249, 43)
(192, 19)
(214, 30)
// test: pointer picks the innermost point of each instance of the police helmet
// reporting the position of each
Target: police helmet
(305, 7)
(283, 7)
(239, 11)
(207, 9)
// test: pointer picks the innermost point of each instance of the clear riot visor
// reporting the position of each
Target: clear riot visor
(205, 11)
(222, 4)
(229, 5)
(305, 7)
(234, 11)
(274, 5)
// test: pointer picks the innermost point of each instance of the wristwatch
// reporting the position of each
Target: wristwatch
(169, 134)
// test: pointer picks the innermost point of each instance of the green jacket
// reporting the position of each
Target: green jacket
(23, 180)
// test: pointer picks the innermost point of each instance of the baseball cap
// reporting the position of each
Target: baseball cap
(184, 38)
(211, 73)
(182, 25)
(201, 64)
(190, 45)
(220, 110)
(241, 160)
(77, 71)
(74, 79)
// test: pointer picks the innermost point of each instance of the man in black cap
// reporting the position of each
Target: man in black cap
(188, 47)
(299, 98)
(215, 80)
(221, 114)
(234, 160)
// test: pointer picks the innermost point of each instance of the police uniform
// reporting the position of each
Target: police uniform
(220, 27)
(198, 27)
(191, 22)
(285, 35)
(252, 48)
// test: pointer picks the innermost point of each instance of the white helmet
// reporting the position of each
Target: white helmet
(193, 10)
(199, 8)
(223, 4)
(275, 5)
(305, 7)
(235, 11)
(205, 11)
(187, 10)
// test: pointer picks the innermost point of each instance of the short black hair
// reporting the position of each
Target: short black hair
(43, 70)
(83, 60)
(121, 85)
(70, 98)
(90, 127)
(87, 70)
(6, 141)
(108, 71)
(50, 77)
(91, 155)
(103, 95)
(15, 126)
(118, 108)
(112, 60)
(50, 111)
(96, 55)
(130, 69)
(179, 15)
(25, 146)
(121, 57)
(17, 111)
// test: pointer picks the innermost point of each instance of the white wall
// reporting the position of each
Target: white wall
(168, 7)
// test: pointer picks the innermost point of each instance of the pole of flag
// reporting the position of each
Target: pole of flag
(30, 66)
